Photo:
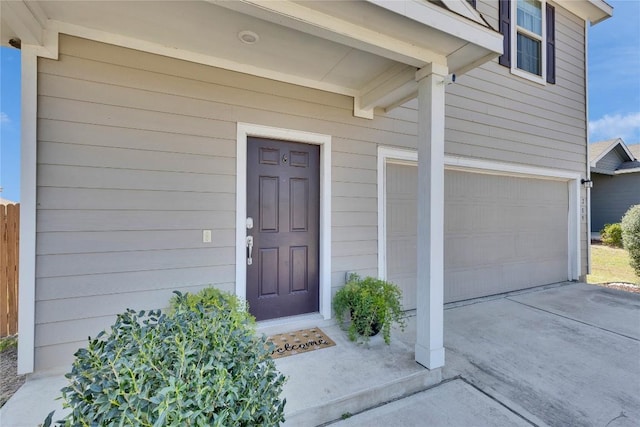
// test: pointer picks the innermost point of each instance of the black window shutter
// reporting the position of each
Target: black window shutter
(504, 10)
(551, 44)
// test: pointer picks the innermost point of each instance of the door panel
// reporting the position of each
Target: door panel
(283, 198)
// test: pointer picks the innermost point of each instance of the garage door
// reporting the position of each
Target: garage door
(501, 233)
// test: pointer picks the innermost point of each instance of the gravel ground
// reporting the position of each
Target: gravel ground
(11, 381)
(623, 287)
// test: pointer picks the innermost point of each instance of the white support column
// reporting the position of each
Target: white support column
(27, 273)
(430, 286)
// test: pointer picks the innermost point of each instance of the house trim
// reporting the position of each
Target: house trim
(467, 26)
(586, 119)
(540, 79)
(403, 156)
(623, 171)
(245, 130)
(606, 151)
(28, 170)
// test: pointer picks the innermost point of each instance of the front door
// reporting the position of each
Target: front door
(283, 201)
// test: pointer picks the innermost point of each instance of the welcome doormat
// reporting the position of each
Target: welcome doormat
(297, 342)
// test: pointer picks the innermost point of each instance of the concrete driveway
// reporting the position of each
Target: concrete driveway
(563, 356)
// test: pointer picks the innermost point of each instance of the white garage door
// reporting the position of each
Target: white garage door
(501, 233)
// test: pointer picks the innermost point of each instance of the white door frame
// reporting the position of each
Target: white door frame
(245, 130)
(397, 155)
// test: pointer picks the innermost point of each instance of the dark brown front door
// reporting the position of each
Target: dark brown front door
(283, 200)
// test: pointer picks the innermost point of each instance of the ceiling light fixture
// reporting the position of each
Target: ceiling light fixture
(248, 37)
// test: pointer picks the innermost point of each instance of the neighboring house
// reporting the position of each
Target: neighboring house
(267, 148)
(615, 172)
(6, 202)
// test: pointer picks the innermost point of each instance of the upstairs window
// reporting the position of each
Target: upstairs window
(528, 27)
(529, 36)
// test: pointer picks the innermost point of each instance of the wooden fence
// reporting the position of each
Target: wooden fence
(9, 243)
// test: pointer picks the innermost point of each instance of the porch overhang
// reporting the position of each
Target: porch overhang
(369, 50)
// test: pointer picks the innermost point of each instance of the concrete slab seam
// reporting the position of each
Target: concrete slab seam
(505, 295)
(513, 411)
(458, 377)
(575, 320)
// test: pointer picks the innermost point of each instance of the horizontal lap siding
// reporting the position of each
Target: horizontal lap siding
(495, 115)
(610, 161)
(136, 156)
(612, 196)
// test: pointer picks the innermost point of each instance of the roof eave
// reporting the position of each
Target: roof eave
(594, 11)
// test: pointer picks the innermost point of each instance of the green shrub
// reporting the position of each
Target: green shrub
(199, 365)
(612, 235)
(211, 299)
(371, 305)
(631, 236)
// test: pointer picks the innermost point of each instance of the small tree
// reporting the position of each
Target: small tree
(631, 236)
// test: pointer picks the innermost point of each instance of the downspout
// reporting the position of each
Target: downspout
(586, 99)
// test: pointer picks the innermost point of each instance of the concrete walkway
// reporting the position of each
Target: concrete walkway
(454, 403)
(565, 355)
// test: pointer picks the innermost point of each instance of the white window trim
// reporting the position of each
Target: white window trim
(395, 155)
(245, 130)
(543, 48)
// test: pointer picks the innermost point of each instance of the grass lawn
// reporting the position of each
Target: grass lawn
(610, 265)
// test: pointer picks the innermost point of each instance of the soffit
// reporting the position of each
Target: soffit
(594, 11)
(347, 47)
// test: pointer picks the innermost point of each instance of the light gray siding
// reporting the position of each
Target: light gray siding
(136, 156)
(612, 196)
(611, 160)
(492, 114)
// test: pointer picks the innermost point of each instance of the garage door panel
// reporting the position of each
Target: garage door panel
(518, 239)
(466, 250)
(502, 233)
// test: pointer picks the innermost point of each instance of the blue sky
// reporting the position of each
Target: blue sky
(10, 123)
(614, 90)
(614, 75)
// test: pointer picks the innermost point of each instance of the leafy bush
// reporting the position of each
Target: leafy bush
(631, 236)
(200, 365)
(211, 299)
(371, 304)
(612, 235)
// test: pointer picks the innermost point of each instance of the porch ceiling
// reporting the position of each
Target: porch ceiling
(369, 50)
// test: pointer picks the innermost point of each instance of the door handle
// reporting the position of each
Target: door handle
(250, 247)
